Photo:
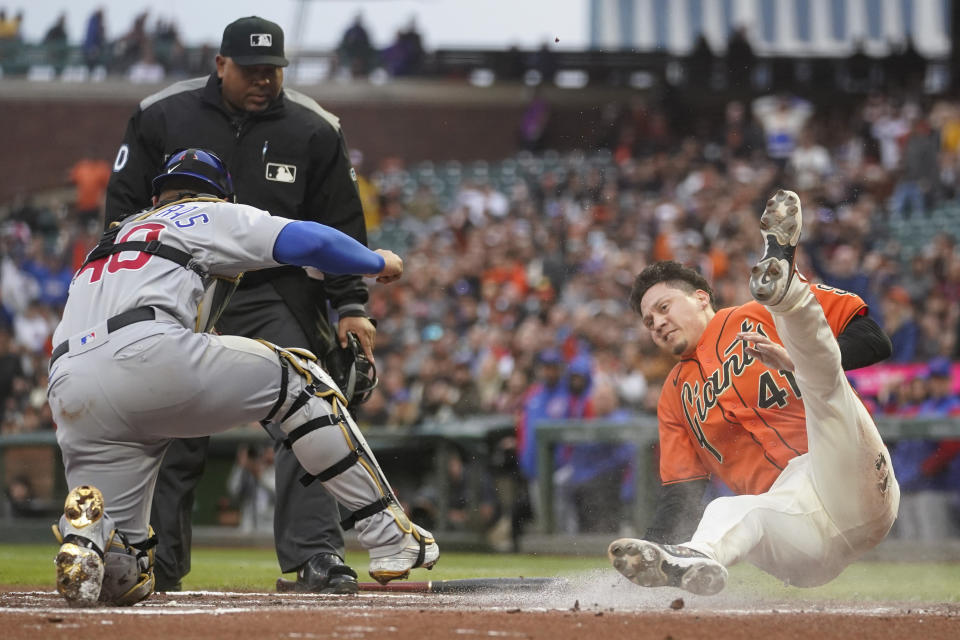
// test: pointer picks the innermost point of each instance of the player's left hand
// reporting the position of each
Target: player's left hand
(366, 334)
(766, 350)
(392, 266)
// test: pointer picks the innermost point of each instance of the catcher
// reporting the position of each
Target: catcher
(134, 367)
(759, 398)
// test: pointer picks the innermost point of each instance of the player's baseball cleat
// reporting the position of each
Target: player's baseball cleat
(79, 562)
(83, 506)
(417, 549)
(780, 225)
(649, 564)
(79, 574)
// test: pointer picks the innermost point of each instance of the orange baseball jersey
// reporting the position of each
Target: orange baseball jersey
(723, 412)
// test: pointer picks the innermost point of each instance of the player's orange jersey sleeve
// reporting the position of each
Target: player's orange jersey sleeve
(839, 306)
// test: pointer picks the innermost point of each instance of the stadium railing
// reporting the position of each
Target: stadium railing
(563, 67)
(426, 447)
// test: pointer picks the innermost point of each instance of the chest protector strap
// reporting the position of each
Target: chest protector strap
(106, 247)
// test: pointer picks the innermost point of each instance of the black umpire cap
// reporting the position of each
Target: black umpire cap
(253, 40)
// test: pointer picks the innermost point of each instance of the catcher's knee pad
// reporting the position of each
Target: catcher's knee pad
(96, 563)
(311, 412)
(128, 570)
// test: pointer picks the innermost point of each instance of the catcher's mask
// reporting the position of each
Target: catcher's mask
(197, 164)
(352, 371)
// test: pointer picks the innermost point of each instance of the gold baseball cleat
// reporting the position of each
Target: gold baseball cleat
(79, 575)
(80, 562)
(416, 549)
(84, 506)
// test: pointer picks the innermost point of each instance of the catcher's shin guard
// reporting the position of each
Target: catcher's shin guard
(95, 562)
(312, 414)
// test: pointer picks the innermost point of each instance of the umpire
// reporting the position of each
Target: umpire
(288, 156)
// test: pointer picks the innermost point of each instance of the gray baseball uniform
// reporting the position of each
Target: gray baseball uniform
(144, 367)
(119, 394)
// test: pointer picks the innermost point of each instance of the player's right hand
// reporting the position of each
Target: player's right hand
(392, 268)
(761, 347)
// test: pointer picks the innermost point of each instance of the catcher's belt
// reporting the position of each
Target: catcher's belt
(138, 314)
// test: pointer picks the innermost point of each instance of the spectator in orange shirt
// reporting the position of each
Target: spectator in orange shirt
(91, 177)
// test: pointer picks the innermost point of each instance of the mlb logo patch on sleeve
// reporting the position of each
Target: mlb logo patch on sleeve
(281, 172)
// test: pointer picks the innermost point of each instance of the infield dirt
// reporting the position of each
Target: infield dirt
(597, 608)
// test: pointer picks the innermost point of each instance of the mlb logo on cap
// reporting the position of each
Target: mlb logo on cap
(253, 41)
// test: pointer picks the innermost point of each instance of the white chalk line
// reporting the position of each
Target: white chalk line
(179, 606)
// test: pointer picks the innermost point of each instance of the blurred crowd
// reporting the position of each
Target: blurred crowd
(539, 251)
(517, 274)
(151, 50)
(357, 55)
(147, 51)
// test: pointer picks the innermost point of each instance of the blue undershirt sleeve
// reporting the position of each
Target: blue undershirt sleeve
(309, 244)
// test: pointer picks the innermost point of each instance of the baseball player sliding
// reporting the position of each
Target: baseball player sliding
(133, 368)
(759, 398)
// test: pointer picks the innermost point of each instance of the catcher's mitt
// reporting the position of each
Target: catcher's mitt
(352, 371)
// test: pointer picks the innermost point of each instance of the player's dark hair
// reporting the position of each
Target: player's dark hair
(673, 273)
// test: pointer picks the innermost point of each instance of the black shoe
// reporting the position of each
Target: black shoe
(326, 573)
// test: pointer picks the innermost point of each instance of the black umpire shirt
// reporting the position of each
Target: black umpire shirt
(290, 159)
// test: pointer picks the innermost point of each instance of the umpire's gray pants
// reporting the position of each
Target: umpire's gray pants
(306, 519)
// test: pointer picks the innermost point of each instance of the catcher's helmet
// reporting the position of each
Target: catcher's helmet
(352, 371)
(198, 164)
